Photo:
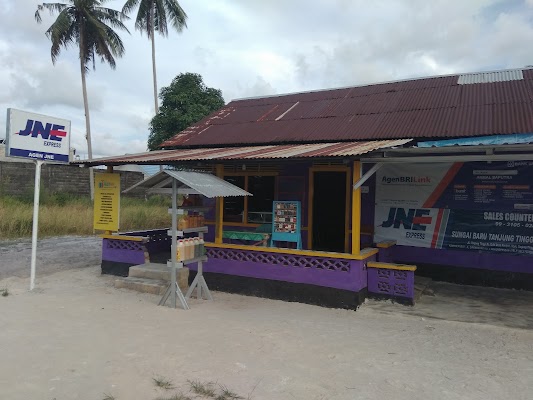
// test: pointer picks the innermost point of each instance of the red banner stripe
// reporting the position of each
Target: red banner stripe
(443, 184)
(422, 220)
(437, 228)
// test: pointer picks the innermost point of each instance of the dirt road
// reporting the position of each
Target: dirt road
(77, 337)
(53, 255)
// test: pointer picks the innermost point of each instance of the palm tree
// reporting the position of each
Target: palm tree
(90, 26)
(152, 16)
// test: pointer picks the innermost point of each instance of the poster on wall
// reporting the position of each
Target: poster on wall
(286, 222)
(37, 137)
(465, 206)
(106, 202)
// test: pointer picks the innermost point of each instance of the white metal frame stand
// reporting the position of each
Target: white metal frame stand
(173, 289)
(199, 283)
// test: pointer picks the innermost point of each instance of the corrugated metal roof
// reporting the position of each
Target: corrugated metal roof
(490, 77)
(317, 150)
(525, 138)
(436, 107)
(204, 183)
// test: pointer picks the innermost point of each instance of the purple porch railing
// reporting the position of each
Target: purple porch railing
(324, 271)
(392, 283)
(123, 251)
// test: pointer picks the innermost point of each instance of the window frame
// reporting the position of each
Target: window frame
(246, 175)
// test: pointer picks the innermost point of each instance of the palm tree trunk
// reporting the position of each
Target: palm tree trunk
(152, 31)
(154, 72)
(87, 116)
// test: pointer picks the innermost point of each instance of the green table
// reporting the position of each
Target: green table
(258, 237)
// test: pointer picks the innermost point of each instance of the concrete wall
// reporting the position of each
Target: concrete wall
(17, 178)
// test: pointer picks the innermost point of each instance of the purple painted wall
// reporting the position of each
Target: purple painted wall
(457, 258)
(327, 272)
(123, 251)
(391, 282)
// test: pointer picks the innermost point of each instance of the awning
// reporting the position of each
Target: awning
(189, 182)
(517, 138)
(316, 150)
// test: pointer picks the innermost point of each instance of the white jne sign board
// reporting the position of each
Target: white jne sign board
(43, 139)
(37, 136)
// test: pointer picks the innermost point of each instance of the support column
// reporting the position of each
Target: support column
(109, 170)
(356, 209)
(219, 208)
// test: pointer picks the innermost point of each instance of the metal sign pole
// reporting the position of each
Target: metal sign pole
(35, 227)
(174, 246)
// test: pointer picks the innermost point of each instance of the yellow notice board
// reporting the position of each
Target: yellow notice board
(106, 201)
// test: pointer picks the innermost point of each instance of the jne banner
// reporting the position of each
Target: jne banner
(470, 206)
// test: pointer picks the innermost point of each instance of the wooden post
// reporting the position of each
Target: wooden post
(356, 209)
(219, 208)
(110, 171)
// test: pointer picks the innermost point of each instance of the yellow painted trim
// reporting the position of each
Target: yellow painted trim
(356, 210)
(347, 210)
(338, 168)
(122, 237)
(245, 210)
(244, 225)
(386, 244)
(248, 173)
(363, 256)
(219, 216)
(310, 195)
(382, 265)
(234, 224)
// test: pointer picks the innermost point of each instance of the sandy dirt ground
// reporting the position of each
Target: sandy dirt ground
(76, 337)
(53, 254)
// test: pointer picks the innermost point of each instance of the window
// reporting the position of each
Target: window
(260, 204)
(234, 206)
(256, 209)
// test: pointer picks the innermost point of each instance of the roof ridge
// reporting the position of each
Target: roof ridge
(528, 67)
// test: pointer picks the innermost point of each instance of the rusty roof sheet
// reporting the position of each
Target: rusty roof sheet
(317, 150)
(204, 183)
(476, 104)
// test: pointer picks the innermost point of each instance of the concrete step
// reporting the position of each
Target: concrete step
(142, 285)
(422, 287)
(152, 278)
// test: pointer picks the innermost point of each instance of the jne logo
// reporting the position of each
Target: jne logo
(415, 219)
(47, 131)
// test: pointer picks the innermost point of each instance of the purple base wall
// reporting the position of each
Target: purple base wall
(392, 283)
(457, 258)
(123, 251)
(326, 272)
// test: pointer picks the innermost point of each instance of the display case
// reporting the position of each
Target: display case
(286, 222)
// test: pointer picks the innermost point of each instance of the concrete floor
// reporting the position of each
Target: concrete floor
(463, 303)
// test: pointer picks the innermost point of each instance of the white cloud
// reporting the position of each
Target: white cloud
(256, 47)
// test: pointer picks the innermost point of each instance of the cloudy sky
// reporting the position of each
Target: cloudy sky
(256, 47)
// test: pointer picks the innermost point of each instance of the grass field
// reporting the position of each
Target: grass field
(62, 214)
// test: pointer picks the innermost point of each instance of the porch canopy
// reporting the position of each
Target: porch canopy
(188, 182)
(332, 151)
